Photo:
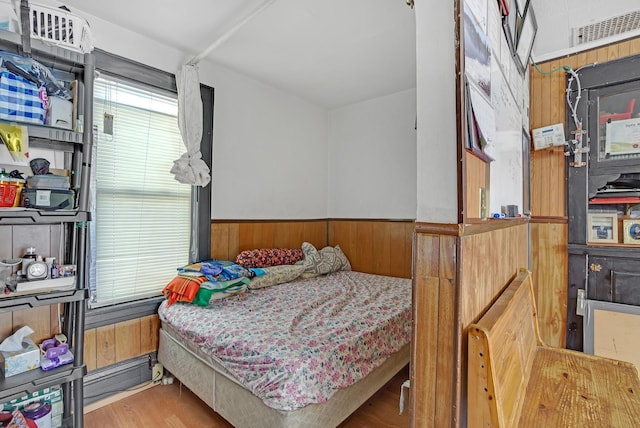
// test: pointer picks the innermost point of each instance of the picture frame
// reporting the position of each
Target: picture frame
(474, 141)
(602, 227)
(631, 231)
(503, 5)
(509, 26)
(526, 30)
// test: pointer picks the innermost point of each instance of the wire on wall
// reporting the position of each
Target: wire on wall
(575, 147)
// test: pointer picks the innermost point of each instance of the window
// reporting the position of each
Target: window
(142, 226)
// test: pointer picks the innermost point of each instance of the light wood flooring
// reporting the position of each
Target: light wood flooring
(174, 406)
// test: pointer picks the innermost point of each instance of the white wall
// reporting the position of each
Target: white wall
(277, 156)
(436, 106)
(372, 158)
(269, 146)
(270, 159)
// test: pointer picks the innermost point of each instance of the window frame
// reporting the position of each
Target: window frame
(200, 196)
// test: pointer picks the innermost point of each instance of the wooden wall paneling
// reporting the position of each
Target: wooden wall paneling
(39, 319)
(602, 54)
(234, 241)
(55, 314)
(449, 340)
(6, 325)
(547, 171)
(382, 247)
(409, 233)
(549, 274)
(90, 349)
(289, 235)
(229, 238)
(149, 333)
(488, 262)
(317, 233)
(624, 49)
(424, 349)
(127, 335)
(364, 260)
(105, 346)
(401, 236)
(477, 178)
(345, 234)
(220, 241)
(262, 235)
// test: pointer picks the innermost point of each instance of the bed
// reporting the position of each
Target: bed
(306, 353)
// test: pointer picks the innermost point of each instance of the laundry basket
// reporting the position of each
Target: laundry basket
(61, 28)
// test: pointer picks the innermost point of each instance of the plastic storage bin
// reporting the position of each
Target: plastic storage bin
(10, 190)
(48, 199)
(60, 27)
(48, 181)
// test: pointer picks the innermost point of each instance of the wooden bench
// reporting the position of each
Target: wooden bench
(515, 380)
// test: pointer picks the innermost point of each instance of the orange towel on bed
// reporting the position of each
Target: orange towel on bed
(182, 288)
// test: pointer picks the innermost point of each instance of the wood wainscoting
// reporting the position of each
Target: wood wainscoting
(548, 188)
(115, 343)
(381, 247)
(230, 237)
(459, 271)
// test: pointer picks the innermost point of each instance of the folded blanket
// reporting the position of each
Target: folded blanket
(182, 288)
(201, 282)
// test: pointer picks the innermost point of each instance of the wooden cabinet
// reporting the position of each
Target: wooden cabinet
(602, 266)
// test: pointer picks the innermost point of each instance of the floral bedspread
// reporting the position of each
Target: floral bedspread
(298, 343)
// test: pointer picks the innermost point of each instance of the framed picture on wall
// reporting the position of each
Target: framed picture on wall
(631, 231)
(526, 29)
(509, 25)
(603, 227)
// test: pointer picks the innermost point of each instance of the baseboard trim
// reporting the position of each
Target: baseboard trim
(119, 396)
(110, 381)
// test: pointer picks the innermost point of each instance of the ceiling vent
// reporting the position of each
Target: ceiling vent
(607, 28)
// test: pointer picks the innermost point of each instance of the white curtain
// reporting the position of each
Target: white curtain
(190, 168)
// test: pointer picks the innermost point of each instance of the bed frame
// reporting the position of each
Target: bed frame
(215, 386)
(220, 391)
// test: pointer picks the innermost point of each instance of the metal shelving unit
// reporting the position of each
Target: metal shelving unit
(80, 145)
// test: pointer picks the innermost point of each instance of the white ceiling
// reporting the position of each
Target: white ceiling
(331, 52)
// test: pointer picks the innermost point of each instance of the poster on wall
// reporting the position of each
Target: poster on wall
(478, 9)
(477, 48)
(623, 137)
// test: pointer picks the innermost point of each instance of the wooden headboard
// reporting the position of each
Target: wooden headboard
(381, 247)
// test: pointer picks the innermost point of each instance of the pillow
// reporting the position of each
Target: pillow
(327, 260)
(276, 275)
(266, 257)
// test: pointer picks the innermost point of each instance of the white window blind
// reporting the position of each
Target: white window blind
(142, 214)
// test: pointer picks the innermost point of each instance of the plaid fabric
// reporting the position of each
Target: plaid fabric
(20, 99)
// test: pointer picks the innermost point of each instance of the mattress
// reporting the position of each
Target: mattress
(298, 343)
